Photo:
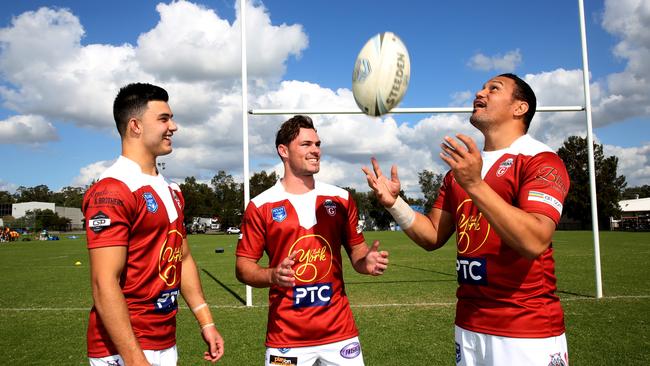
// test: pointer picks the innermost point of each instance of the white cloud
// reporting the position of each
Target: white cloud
(91, 172)
(628, 97)
(27, 129)
(502, 63)
(633, 163)
(192, 43)
(8, 186)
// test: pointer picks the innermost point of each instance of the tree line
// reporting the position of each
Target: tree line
(223, 196)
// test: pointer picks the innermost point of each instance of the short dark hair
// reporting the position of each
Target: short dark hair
(525, 93)
(132, 101)
(291, 128)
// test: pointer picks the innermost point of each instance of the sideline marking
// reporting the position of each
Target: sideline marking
(432, 304)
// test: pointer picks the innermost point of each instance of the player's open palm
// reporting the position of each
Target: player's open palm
(376, 260)
(385, 189)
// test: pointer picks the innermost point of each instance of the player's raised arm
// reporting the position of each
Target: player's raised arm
(251, 273)
(430, 232)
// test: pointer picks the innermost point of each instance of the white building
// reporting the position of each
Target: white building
(20, 209)
(73, 213)
(635, 215)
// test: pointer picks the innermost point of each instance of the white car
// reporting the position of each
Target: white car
(233, 230)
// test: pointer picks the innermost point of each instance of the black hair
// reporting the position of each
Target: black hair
(525, 93)
(291, 128)
(131, 101)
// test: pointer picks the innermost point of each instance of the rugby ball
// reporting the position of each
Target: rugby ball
(381, 74)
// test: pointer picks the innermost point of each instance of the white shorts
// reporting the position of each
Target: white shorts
(346, 352)
(489, 350)
(165, 357)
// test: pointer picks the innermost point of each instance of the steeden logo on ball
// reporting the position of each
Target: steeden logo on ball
(381, 74)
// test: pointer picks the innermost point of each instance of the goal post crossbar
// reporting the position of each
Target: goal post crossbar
(570, 108)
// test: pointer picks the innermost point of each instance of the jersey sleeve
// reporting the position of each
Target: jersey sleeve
(353, 233)
(108, 206)
(252, 240)
(544, 186)
(445, 189)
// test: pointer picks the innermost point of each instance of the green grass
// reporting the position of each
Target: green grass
(405, 317)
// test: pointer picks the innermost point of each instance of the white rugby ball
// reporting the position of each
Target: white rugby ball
(381, 74)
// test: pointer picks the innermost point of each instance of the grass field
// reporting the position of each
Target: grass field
(405, 317)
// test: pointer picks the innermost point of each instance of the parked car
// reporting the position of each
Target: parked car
(233, 230)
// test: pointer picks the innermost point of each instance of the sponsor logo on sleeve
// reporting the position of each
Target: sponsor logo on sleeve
(150, 201)
(318, 294)
(551, 176)
(282, 360)
(351, 350)
(99, 222)
(108, 201)
(330, 207)
(545, 198)
(279, 213)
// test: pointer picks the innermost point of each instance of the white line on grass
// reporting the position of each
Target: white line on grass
(423, 304)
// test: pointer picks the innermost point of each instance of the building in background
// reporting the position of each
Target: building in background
(75, 215)
(635, 215)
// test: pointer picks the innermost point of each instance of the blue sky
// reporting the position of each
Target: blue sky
(62, 61)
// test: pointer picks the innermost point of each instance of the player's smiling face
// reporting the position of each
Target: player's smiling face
(494, 102)
(304, 153)
(158, 128)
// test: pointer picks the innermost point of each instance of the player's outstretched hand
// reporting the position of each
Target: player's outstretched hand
(386, 190)
(214, 341)
(376, 260)
(464, 161)
(283, 275)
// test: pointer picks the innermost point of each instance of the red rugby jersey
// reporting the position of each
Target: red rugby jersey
(316, 224)
(145, 214)
(501, 292)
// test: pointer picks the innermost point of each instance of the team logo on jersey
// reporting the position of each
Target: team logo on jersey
(351, 350)
(279, 213)
(472, 229)
(99, 222)
(330, 207)
(545, 198)
(176, 199)
(113, 363)
(314, 258)
(458, 354)
(284, 350)
(282, 360)
(556, 360)
(150, 201)
(504, 166)
(171, 256)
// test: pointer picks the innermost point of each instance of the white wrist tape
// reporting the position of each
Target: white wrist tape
(402, 213)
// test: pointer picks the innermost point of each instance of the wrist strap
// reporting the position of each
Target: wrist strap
(402, 213)
(203, 315)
